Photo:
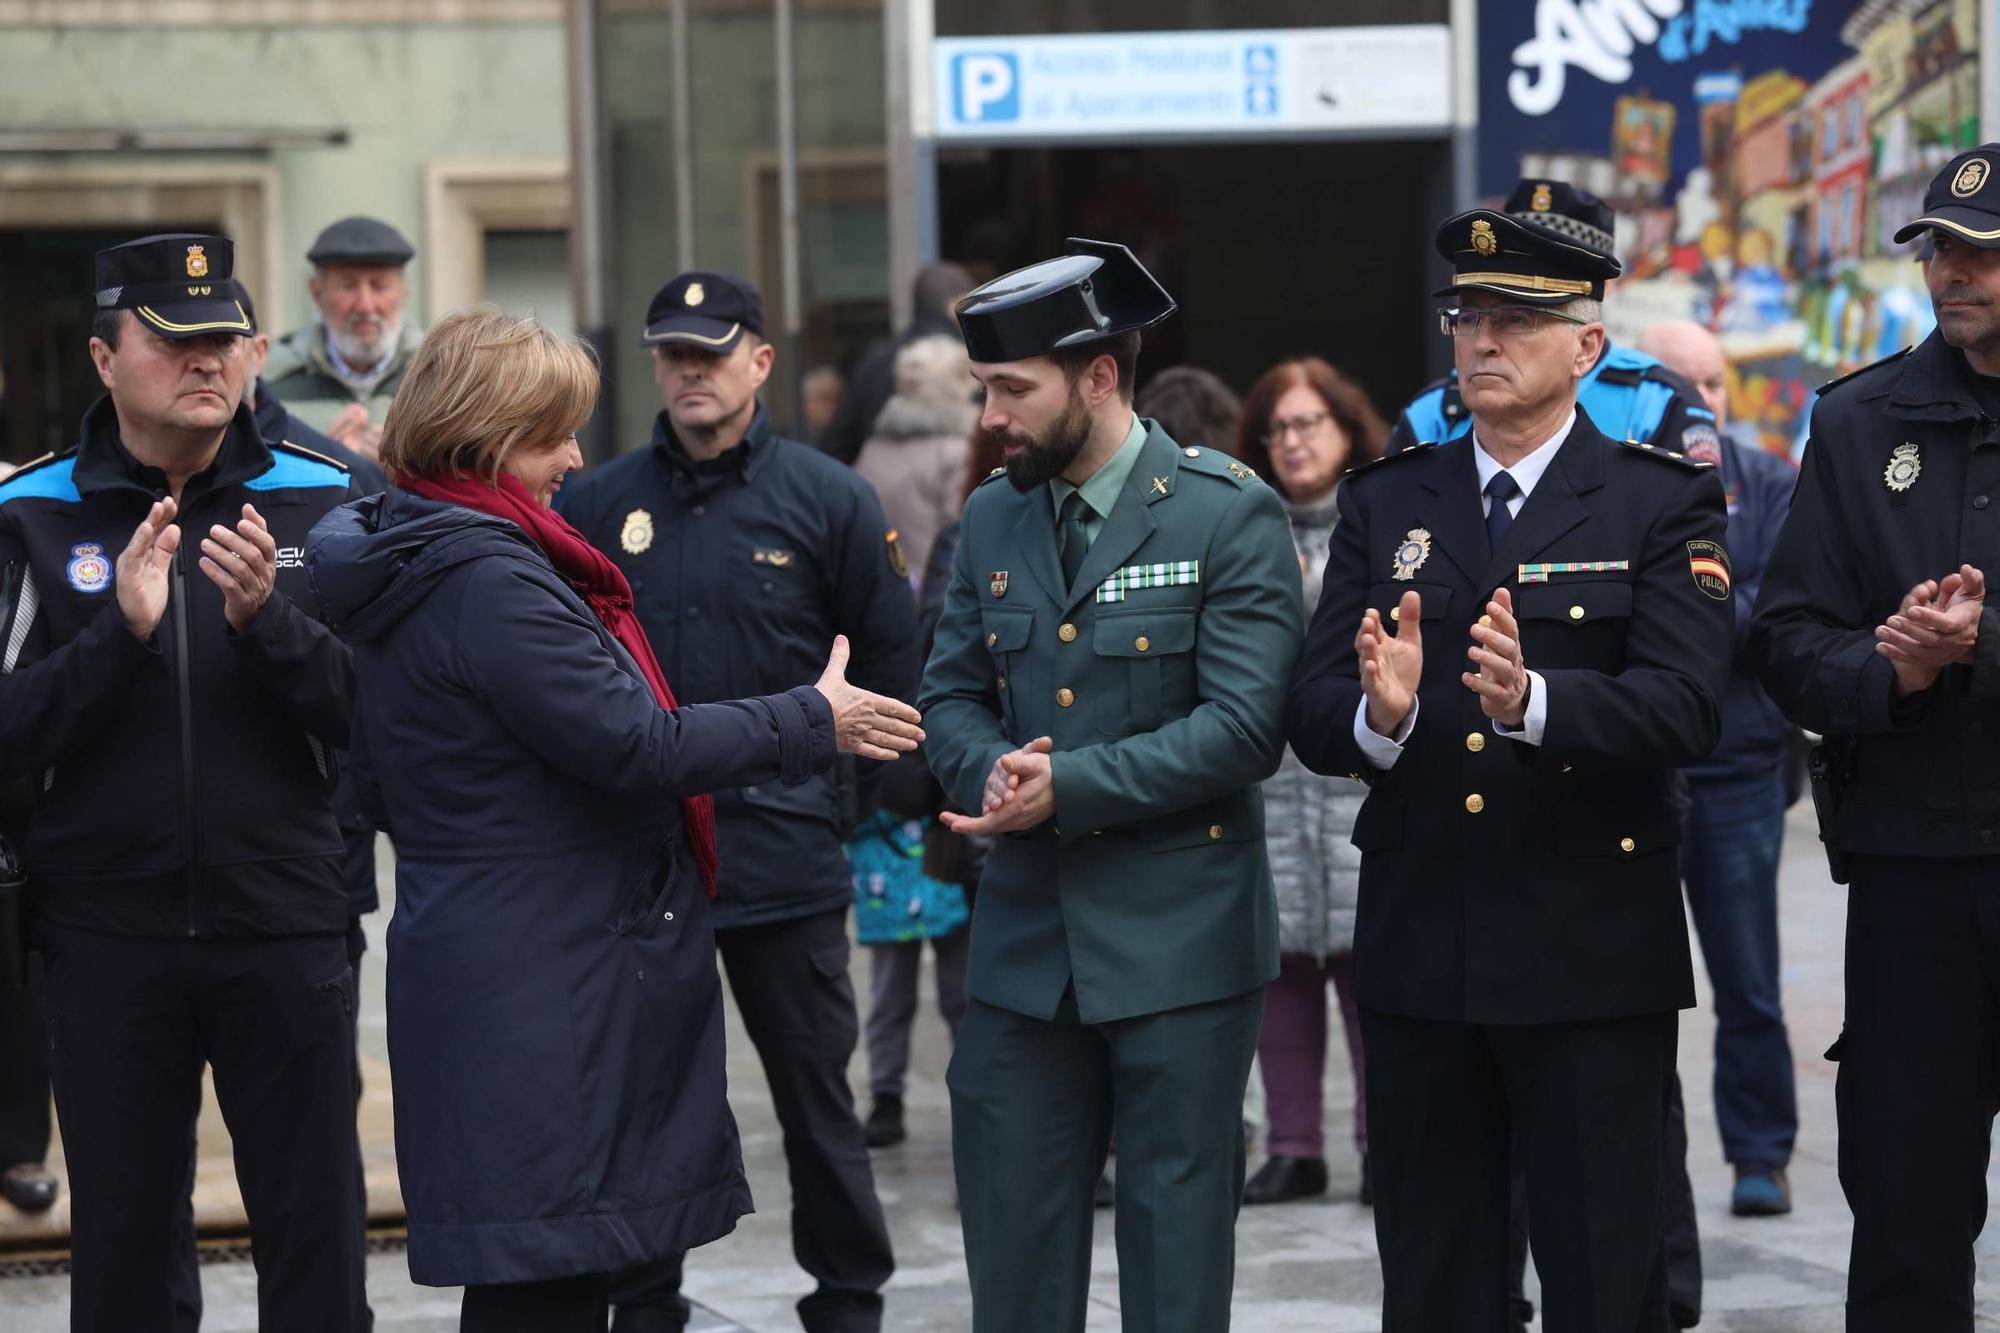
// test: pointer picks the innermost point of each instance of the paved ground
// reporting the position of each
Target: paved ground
(1301, 1266)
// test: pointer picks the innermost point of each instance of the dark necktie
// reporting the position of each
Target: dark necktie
(1071, 538)
(1498, 517)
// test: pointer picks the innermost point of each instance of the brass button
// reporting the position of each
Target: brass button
(1395, 613)
(1475, 803)
(1193, 453)
(1003, 682)
(1576, 613)
(992, 639)
(1142, 643)
(1065, 696)
(1214, 832)
(1067, 632)
(1627, 845)
(1475, 742)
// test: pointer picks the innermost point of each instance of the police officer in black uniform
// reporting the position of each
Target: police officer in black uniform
(747, 553)
(1523, 633)
(1873, 630)
(168, 691)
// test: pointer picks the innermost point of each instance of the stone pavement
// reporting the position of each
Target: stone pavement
(1300, 1266)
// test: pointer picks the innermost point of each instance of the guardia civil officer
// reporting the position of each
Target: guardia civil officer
(747, 554)
(1106, 689)
(176, 703)
(1523, 633)
(1628, 394)
(1872, 630)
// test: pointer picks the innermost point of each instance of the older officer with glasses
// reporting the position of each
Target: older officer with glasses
(1522, 634)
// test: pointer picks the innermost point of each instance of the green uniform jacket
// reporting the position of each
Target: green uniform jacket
(302, 377)
(1161, 678)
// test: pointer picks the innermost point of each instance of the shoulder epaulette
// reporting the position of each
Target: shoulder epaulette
(1839, 380)
(1414, 451)
(34, 463)
(996, 472)
(47, 477)
(1216, 463)
(313, 454)
(1664, 454)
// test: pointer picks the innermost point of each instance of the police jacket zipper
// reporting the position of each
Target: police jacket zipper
(184, 686)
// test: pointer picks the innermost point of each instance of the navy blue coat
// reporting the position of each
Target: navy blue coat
(555, 1016)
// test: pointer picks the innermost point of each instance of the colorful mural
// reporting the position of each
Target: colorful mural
(1759, 154)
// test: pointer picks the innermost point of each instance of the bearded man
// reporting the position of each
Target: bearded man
(1107, 690)
(340, 372)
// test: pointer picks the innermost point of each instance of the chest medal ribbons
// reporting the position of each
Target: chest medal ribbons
(1168, 574)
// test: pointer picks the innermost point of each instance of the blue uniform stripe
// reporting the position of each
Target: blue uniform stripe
(52, 482)
(293, 472)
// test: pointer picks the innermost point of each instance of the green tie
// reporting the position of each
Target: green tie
(1072, 538)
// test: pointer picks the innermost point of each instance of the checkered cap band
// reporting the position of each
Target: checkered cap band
(1568, 226)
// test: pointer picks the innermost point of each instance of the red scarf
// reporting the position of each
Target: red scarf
(603, 588)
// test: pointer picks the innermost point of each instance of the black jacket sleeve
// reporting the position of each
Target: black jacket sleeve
(301, 663)
(57, 698)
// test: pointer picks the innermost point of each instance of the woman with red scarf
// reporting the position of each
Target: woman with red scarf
(555, 1017)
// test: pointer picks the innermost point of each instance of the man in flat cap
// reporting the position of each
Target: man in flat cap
(340, 372)
(1873, 631)
(1523, 633)
(748, 553)
(174, 702)
(1106, 693)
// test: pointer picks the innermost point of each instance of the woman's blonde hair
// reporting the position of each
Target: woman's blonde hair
(483, 382)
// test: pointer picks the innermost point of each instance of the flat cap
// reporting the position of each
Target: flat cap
(360, 240)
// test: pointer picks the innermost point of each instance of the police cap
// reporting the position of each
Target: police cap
(359, 240)
(177, 284)
(706, 310)
(1551, 243)
(1096, 291)
(1963, 200)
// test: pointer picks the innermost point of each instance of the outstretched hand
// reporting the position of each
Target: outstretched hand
(1391, 667)
(873, 726)
(142, 569)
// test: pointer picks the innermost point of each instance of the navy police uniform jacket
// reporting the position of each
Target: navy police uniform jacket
(1503, 882)
(743, 569)
(1900, 483)
(181, 785)
(1628, 394)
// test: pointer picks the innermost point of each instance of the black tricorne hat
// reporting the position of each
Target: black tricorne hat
(179, 284)
(704, 309)
(359, 240)
(1096, 291)
(1963, 200)
(1552, 243)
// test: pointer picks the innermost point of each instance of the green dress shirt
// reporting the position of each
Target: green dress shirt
(1102, 489)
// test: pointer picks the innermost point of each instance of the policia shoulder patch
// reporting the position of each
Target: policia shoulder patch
(1709, 564)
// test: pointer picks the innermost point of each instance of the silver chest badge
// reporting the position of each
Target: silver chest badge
(1410, 556)
(1906, 464)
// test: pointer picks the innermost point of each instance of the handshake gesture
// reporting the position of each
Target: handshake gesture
(1392, 666)
(1937, 624)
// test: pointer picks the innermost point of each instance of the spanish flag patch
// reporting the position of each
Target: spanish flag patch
(1710, 565)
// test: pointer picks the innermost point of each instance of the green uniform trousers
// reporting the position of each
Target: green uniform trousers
(1033, 1104)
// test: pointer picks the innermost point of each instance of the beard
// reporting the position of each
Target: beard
(363, 351)
(1043, 458)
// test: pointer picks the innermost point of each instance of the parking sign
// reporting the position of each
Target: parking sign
(986, 86)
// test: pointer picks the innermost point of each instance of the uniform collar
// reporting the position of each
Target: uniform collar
(1102, 488)
(1934, 384)
(1530, 469)
(742, 461)
(104, 463)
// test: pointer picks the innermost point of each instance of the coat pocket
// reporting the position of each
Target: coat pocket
(1157, 644)
(1006, 631)
(645, 905)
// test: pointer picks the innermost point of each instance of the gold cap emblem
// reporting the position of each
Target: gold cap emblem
(1544, 198)
(1483, 239)
(696, 294)
(197, 264)
(1970, 177)
(636, 536)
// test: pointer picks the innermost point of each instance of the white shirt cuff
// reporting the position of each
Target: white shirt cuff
(1536, 720)
(1379, 750)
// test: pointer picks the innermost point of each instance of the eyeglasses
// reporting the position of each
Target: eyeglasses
(1507, 321)
(1300, 426)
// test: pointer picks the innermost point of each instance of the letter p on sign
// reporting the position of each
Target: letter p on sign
(987, 87)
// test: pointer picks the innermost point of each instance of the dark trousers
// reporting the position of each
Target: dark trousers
(1448, 1103)
(131, 1022)
(1682, 1236)
(1033, 1106)
(24, 1073)
(1918, 1084)
(1729, 860)
(559, 1305)
(789, 980)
